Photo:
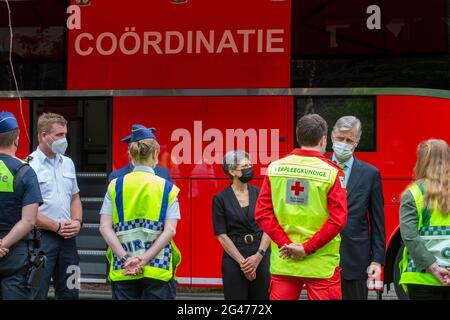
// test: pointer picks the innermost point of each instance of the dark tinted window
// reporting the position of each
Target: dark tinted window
(333, 47)
(39, 50)
(332, 108)
(88, 130)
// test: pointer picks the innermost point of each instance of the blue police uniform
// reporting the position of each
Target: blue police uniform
(14, 196)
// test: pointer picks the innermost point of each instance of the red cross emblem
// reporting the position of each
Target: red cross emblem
(297, 188)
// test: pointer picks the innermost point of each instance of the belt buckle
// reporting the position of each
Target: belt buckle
(248, 239)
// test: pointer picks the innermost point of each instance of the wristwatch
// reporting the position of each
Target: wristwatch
(261, 252)
(124, 258)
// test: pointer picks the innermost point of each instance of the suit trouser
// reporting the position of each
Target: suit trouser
(237, 287)
(235, 284)
(13, 273)
(354, 289)
(143, 289)
(289, 287)
(61, 254)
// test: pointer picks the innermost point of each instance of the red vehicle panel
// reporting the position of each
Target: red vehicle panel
(23, 120)
(403, 122)
(255, 124)
(167, 114)
(178, 46)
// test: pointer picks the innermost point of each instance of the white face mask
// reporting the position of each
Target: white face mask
(155, 164)
(343, 151)
(59, 146)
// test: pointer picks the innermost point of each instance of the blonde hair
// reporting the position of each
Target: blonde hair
(141, 151)
(47, 120)
(433, 166)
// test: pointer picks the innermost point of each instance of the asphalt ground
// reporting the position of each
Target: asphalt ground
(103, 292)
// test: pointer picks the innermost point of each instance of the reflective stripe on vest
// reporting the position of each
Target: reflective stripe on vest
(434, 231)
(140, 201)
(300, 186)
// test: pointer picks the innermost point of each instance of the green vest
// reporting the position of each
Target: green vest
(6, 178)
(140, 201)
(300, 186)
(434, 230)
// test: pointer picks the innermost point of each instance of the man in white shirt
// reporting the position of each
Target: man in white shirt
(60, 217)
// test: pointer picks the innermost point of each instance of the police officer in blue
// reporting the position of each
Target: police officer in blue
(143, 133)
(20, 198)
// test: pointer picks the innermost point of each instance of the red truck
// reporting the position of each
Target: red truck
(214, 76)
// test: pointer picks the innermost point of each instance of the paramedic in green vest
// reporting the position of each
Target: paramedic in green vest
(302, 206)
(138, 221)
(425, 225)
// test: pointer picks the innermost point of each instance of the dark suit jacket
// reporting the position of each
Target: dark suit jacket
(159, 171)
(363, 238)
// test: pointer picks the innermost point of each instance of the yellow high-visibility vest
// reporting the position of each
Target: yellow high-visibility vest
(300, 186)
(140, 201)
(434, 230)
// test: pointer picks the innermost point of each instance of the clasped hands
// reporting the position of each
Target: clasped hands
(292, 251)
(69, 229)
(134, 266)
(249, 266)
(442, 274)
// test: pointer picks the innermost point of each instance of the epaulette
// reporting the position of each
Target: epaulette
(28, 159)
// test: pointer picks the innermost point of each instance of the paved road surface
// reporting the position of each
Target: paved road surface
(184, 294)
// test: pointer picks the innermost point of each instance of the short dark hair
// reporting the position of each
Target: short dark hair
(8, 138)
(310, 129)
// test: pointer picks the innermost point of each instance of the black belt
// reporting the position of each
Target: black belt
(248, 238)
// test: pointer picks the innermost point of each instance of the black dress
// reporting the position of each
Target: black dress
(237, 222)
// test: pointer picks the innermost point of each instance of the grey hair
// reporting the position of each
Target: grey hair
(347, 123)
(232, 159)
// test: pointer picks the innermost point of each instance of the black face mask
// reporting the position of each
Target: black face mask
(247, 175)
(17, 145)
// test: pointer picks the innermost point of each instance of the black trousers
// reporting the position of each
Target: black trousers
(235, 284)
(61, 254)
(422, 292)
(143, 289)
(354, 289)
(13, 273)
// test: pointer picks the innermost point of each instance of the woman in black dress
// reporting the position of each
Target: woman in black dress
(245, 261)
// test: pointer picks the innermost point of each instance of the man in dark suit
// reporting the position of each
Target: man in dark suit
(363, 238)
(146, 133)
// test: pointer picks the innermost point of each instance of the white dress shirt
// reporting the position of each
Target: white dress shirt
(58, 183)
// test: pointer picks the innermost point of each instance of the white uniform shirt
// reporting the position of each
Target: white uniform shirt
(58, 183)
(173, 211)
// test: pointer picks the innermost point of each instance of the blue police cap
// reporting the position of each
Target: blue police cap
(8, 122)
(138, 133)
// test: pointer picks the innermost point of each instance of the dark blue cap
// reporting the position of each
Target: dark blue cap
(138, 133)
(8, 122)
